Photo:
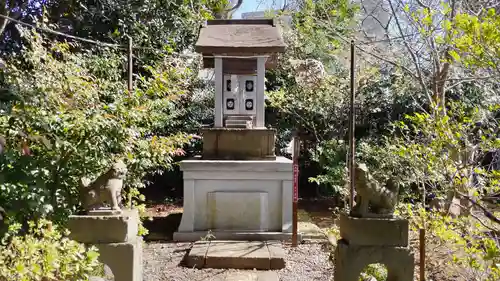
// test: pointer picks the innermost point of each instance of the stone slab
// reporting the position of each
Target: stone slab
(238, 255)
(276, 254)
(96, 229)
(197, 254)
(252, 206)
(234, 236)
(246, 275)
(374, 231)
(104, 212)
(124, 259)
(280, 164)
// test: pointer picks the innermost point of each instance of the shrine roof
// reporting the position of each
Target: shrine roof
(240, 36)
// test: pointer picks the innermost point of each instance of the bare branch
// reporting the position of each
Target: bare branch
(486, 212)
(422, 4)
(466, 79)
(236, 6)
(285, 5)
(412, 54)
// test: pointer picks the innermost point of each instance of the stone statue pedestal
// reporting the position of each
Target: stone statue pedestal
(237, 199)
(374, 231)
(366, 241)
(116, 238)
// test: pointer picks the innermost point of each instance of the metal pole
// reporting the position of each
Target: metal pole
(130, 66)
(422, 237)
(295, 156)
(351, 162)
(130, 89)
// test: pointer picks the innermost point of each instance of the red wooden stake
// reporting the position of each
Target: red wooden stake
(296, 151)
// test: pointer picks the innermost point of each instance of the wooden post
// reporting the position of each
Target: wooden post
(351, 131)
(422, 254)
(295, 156)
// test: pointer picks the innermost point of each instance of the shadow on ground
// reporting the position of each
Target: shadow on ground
(162, 228)
(318, 211)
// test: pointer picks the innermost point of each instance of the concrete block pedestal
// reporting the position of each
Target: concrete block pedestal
(374, 231)
(351, 260)
(124, 259)
(104, 228)
(116, 238)
(237, 199)
(368, 241)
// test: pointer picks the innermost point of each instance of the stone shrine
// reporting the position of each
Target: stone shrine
(371, 234)
(238, 189)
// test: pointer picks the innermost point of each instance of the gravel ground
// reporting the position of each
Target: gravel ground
(309, 261)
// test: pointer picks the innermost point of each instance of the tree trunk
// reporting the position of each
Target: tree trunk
(225, 13)
(438, 86)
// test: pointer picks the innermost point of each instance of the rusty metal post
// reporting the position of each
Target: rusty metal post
(295, 157)
(351, 160)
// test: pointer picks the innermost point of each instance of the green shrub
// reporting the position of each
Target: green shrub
(72, 116)
(44, 253)
(376, 270)
(471, 249)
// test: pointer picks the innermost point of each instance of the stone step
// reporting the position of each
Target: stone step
(236, 122)
(235, 236)
(264, 255)
(239, 124)
(240, 117)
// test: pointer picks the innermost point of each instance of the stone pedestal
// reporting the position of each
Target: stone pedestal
(237, 200)
(116, 238)
(374, 231)
(368, 241)
(124, 259)
(240, 144)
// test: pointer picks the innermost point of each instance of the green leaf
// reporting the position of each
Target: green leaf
(454, 55)
(446, 24)
(20, 268)
(491, 12)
